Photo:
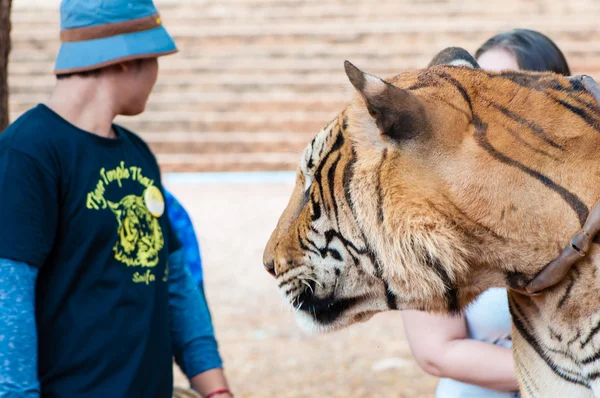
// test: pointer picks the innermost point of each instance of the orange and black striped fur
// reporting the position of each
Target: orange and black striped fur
(435, 185)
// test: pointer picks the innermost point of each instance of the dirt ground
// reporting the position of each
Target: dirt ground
(264, 352)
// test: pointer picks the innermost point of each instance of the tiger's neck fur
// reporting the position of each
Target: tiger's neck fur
(492, 208)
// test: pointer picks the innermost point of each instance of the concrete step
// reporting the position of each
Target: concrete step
(189, 85)
(175, 118)
(222, 146)
(249, 65)
(191, 162)
(339, 29)
(389, 45)
(174, 65)
(392, 10)
(157, 137)
(251, 105)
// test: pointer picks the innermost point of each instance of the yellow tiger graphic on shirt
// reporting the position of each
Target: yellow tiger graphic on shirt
(140, 236)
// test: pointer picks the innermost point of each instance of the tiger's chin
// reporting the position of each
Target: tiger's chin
(324, 316)
(309, 325)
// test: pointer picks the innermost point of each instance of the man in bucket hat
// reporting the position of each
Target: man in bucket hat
(95, 299)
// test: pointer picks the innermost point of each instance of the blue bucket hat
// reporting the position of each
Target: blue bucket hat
(99, 33)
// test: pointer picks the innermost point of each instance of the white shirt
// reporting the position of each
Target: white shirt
(488, 319)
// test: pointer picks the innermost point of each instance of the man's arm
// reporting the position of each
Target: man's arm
(194, 343)
(29, 208)
(18, 334)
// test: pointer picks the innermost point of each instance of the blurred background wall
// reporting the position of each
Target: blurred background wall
(253, 82)
(255, 79)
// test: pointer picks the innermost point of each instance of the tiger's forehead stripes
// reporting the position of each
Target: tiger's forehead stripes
(323, 141)
(315, 149)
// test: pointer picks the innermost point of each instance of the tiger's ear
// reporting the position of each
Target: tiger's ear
(454, 56)
(399, 115)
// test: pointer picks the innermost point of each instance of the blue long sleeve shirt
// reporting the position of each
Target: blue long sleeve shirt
(194, 344)
(18, 336)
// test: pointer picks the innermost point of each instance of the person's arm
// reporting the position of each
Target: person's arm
(194, 344)
(29, 207)
(211, 381)
(441, 347)
(18, 334)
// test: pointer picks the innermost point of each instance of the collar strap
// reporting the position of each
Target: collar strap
(580, 244)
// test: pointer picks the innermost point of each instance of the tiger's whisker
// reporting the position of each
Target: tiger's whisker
(306, 277)
(309, 286)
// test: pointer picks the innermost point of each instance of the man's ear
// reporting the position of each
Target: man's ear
(454, 56)
(399, 115)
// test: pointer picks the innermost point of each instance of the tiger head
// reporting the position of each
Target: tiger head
(140, 237)
(427, 190)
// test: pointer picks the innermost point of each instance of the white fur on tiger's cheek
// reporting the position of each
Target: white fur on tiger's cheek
(308, 180)
(307, 323)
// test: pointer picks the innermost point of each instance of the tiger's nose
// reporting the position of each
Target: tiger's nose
(270, 267)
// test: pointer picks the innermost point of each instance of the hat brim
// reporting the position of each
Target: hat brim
(88, 55)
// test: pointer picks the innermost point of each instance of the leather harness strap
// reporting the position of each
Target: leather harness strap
(577, 248)
(580, 244)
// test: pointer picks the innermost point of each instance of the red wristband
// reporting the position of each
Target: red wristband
(218, 392)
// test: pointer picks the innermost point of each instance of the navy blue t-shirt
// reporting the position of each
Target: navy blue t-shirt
(73, 205)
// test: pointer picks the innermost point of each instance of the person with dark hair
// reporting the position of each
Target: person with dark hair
(471, 353)
(526, 50)
(96, 297)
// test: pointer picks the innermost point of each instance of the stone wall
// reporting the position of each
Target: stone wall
(256, 79)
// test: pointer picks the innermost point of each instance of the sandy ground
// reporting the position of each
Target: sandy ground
(265, 353)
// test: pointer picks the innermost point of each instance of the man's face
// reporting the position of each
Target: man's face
(136, 84)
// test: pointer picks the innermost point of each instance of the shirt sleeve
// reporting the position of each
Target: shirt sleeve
(183, 227)
(174, 242)
(28, 208)
(18, 334)
(194, 344)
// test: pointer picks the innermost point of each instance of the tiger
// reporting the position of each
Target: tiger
(437, 184)
(140, 237)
